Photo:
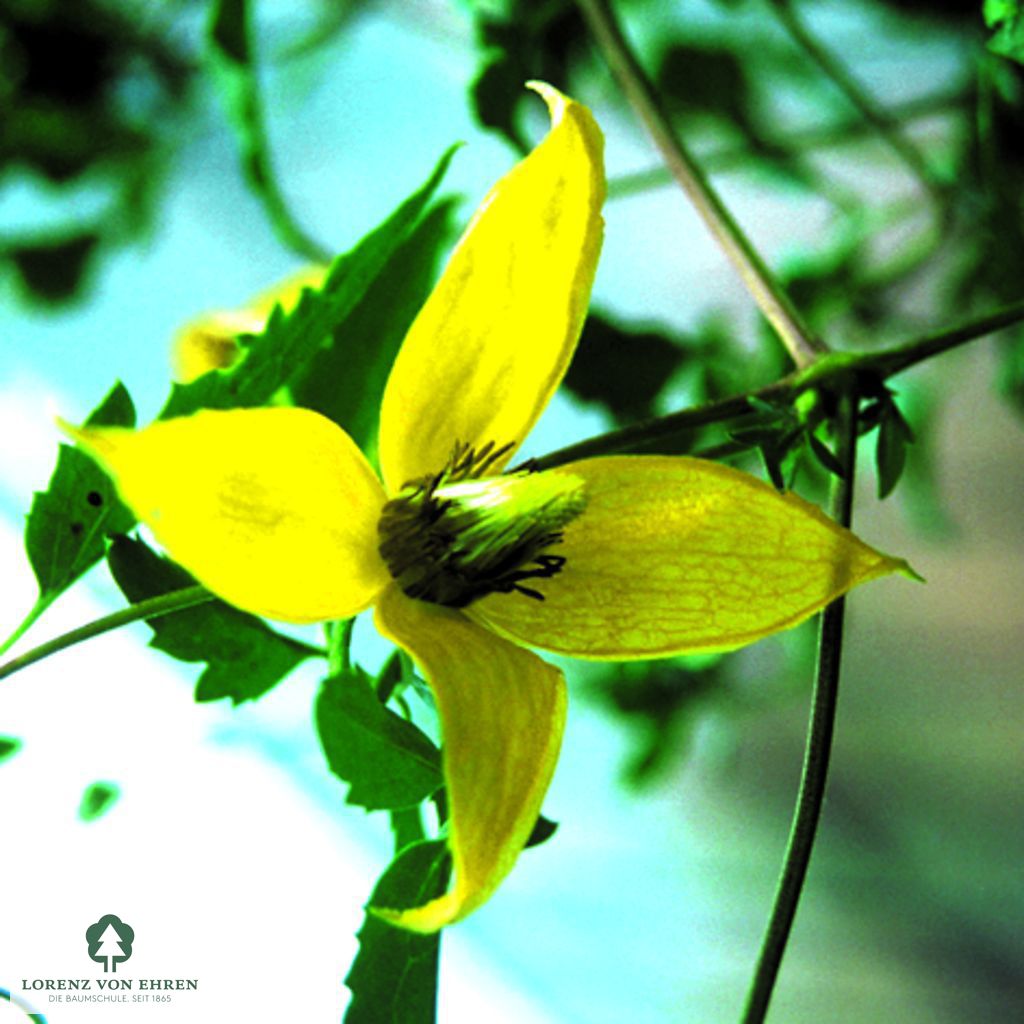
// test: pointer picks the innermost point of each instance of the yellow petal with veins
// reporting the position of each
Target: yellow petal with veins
(495, 337)
(208, 342)
(274, 510)
(502, 713)
(674, 555)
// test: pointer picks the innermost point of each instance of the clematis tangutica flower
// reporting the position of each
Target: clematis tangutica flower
(468, 564)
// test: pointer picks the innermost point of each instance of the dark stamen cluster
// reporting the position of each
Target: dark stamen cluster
(452, 552)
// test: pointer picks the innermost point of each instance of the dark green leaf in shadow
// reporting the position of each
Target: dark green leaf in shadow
(283, 351)
(244, 657)
(54, 270)
(393, 978)
(387, 762)
(530, 41)
(543, 830)
(624, 370)
(345, 378)
(97, 800)
(894, 434)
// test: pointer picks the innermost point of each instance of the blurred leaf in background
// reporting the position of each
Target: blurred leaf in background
(89, 94)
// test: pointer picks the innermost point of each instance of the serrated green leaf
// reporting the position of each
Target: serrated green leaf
(393, 978)
(387, 762)
(97, 800)
(280, 354)
(9, 746)
(244, 657)
(345, 378)
(69, 522)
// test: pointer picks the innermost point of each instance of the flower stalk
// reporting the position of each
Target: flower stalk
(163, 604)
(818, 750)
(764, 287)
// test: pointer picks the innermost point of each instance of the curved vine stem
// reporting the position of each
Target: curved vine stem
(818, 749)
(884, 122)
(764, 287)
(153, 607)
(828, 371)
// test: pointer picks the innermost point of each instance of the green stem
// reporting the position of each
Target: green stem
(817, 752)
(164, 604)
(232, 37)
(900, 357)
(339, 642)
(878, 117)
(768, 293)
(827, 136)
(829, 370)
(42, 603)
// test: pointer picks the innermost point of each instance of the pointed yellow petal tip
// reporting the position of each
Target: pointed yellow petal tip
(429, 918)
(502, 712)
(495, 337)
(274, 510)
(100, 442)
(904, 568)
(674, 555)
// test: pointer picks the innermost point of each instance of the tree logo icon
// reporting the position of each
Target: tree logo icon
(110, 941)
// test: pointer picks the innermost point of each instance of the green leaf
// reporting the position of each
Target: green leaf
(345, 378)
(825, 456)
(526, 40)
(894, 434)
(97, 800)
(596, 372)
(1007, 18)
(244, 657)
(387, 762)
(543, 830)
(69, 522)
(9, 746)
(282, 352)
(53, 270)
(393, 978)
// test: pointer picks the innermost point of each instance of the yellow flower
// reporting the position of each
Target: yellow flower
(277, 511)
(208, 342)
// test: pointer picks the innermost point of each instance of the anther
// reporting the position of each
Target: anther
(457, 535)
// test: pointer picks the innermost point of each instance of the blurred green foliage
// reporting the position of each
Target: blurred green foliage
(88, 97)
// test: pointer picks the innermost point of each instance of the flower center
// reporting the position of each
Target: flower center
(458, 535)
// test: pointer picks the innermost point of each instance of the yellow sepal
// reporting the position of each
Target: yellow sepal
(274, 510)
(495, 337)
(675, 555)
(502, 713)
